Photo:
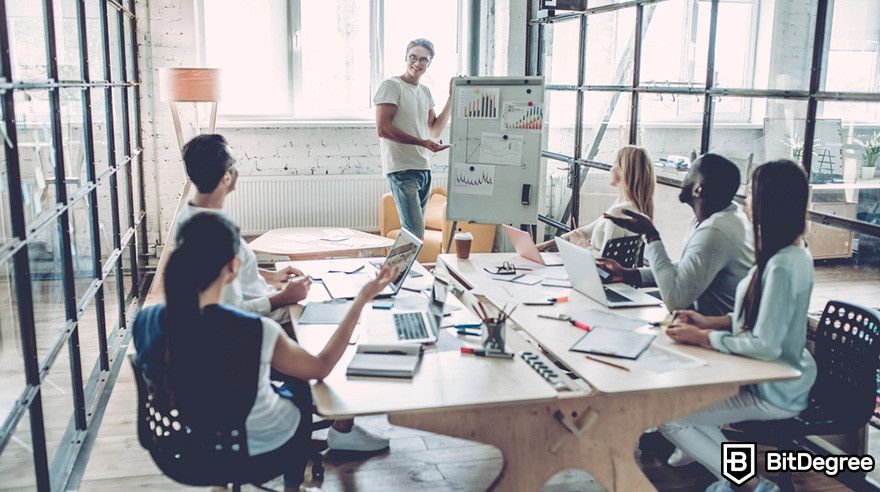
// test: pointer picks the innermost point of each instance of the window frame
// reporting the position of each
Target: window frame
(536, 61)
(89, 386)
(294, 65)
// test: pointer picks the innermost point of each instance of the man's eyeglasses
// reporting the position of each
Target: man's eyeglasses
(424, 60)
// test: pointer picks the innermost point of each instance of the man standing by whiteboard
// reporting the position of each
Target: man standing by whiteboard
(406, 124)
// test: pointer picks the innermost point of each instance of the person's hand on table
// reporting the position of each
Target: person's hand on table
(688, 334)
(547, 246)
(383, 277)
(617, 272)
(281, 276)
(297, 289)
(636, 222)
(689, 317)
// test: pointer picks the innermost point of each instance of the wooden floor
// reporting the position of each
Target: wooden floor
(417, 460)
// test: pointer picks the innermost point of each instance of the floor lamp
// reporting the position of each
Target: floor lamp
(186, 85)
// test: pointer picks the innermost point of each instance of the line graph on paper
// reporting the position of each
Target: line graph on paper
(522, 116)
(473, 179)
(504, 150)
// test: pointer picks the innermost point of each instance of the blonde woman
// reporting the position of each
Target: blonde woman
(633, 175)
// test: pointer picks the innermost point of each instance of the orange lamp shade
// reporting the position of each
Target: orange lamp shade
(189, 84)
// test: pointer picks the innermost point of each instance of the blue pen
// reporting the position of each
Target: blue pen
(462, 331)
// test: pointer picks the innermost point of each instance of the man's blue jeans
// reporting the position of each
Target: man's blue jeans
(411, 190)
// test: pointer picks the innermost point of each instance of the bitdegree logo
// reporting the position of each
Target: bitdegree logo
(738, 463)
(831, 465)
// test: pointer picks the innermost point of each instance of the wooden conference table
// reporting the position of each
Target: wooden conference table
(594, 423)
(311, 243)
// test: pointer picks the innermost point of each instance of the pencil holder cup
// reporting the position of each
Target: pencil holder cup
(492, 335)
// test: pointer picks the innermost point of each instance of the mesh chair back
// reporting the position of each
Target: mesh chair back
(625, 250)
(846, 352)
(190, 452)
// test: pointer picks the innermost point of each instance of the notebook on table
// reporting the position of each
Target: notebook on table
(386, 360)
(613, 342)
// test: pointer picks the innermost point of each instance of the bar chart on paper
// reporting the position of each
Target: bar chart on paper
(522, 116)
(479, 103)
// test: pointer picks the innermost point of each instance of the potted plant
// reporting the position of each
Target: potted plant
(870, 154)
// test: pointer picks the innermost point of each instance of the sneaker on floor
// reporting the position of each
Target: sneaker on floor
(679, 458)
(720, 486)
(358, 439)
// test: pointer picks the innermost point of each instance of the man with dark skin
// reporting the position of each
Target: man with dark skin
(718, 250)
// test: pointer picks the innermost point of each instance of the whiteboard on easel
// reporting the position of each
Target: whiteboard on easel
(496, 131)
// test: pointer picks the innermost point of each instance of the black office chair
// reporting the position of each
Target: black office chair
(843, 399)
(627, 251)
(206, 452)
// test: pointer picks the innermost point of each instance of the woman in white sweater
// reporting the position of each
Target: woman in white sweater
(633, 175)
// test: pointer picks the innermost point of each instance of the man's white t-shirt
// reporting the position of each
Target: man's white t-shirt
(249, 291)
(413, 103)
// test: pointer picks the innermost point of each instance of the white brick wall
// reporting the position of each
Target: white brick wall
(167, 38)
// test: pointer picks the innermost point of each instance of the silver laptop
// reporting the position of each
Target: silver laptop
(403, 254)
(413, 326)
(584, 276)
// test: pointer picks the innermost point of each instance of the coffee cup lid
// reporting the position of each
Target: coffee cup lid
(464, 235)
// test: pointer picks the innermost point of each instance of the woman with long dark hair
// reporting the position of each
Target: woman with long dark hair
(212, 361)
(769, 322)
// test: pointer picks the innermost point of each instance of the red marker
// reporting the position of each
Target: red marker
(483, 353)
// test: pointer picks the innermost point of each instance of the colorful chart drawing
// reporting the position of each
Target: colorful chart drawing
(479, 103)
(473, 179)
(522, 116)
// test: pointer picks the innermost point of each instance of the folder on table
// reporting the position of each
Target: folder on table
(386, 360)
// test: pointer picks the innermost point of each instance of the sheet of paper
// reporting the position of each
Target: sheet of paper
(524, 279)
(473, 179)
(663, 359)
(599, 317)
(478, 102)
(324, 313)
(562, 283)
(522, 116)
(501, 149)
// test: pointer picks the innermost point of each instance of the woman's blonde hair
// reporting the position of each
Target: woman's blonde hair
(637, 175)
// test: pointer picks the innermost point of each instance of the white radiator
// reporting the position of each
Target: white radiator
(261, 203)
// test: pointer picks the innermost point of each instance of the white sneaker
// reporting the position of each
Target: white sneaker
(720, 486)
(678, 458)
(358, 439)
(765, 485)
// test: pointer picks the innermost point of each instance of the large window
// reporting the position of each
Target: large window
(311, 60)
(69, 232)
(738, 83)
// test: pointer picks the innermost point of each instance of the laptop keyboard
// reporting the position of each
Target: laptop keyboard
(614, 297)
(410, 326)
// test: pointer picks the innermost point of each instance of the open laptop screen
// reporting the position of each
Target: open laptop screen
(403, 254)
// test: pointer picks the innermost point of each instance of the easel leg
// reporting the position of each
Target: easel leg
(451, 236)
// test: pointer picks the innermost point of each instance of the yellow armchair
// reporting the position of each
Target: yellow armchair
(437, 228)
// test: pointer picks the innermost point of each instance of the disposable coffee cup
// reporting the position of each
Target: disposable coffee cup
(463, 242)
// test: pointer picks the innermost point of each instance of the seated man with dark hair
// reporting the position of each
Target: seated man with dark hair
(211, 167)
(718, 250)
